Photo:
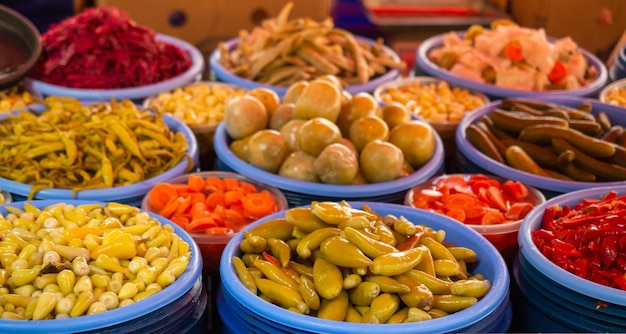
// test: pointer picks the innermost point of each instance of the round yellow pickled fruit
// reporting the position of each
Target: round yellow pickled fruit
(361, 104)
(317, 133)
(416, 140)
(395, 113)
(366, 129)
(244, 115)
(336, 164)
(268, 97)
(294, 91)
(299, 166)
(381, 161)
(266, 150)
(321, 98)
(281, 115)
(290, 132)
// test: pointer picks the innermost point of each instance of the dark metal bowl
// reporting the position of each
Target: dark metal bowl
(20, 43)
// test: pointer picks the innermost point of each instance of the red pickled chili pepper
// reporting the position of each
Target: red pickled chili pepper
(565, 249)
(271, 259)
(608, 251)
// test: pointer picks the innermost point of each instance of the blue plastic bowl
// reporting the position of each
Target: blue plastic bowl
(160, 313)
(471, 160)
(131, 194)
(137, 94)
(303, 193)
(495, 92)
(486, 315)
(568, 302)
(224, 75)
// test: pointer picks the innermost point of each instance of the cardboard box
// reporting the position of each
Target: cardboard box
(594, 25)
(204, 23)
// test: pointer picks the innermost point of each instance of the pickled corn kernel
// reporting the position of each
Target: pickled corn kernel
(435, 102)
(65, 261)
(616, 96)
(196, 104)
(13, 98)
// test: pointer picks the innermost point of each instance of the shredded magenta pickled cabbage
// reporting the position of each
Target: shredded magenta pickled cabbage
(103, 48)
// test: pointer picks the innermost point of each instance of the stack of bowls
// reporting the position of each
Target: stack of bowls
(212, 245)
(555, 300)
(302, 193)
(160, 313)
(241, 310)
(427, 66)
(223, 74)
(471, 160)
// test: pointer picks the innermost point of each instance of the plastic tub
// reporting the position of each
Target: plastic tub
(177, 307)
(136, 94)
(302, 193)
(212, 245)
(445, 128)
(494, 92)
(224, 75)
(488, 314)
(131, 194)
(502, 236)
(564, 301)
(470, 160)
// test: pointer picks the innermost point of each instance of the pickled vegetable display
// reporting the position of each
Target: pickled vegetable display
(321, 133)
(66, 261)
(336, 262)
(551, 140)
(76, 146)
(588, 239)
(281, 52)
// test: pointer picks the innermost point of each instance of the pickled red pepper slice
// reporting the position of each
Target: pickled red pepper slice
(587, 240)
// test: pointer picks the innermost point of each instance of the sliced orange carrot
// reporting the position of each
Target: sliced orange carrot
(248, 187)
(171, 207)
(195, 183)
(160, 195)
(184, 206)
(459, 201)
(230, 183)
(201, 224)
(233, 196)
(197, 208)
(515, 189)
(214, 200)
(258, 205)
(197, 197)
(180, 220)
(429, 194)
(494, 195)
(518, 210)
(213, 183)
(476, 212)
(451, 181)
(233, 218)
(458, 214)
(492, 217)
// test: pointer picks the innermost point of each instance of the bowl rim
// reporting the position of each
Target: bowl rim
(196, 67)
(113, 193)
(429, 67)
(18, 75)
(621, 83)
(133, 311)
(432, 167)
(401, 82)
(281, 201)
(500, 283)
(496, 229)
(531, 253)
(222, 74)
(503, 170)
